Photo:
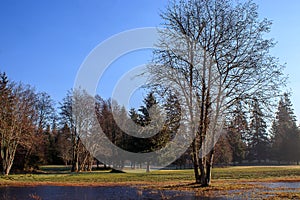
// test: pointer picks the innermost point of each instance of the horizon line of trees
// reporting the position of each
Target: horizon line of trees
(251, 140)
(33, 132)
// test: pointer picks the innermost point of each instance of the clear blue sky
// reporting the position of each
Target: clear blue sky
(43, 43)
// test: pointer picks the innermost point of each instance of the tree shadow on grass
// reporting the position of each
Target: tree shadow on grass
(116, 171)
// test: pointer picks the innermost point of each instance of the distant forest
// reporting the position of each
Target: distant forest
(36, 131)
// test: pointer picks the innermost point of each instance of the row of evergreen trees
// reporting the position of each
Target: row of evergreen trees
(249, 139)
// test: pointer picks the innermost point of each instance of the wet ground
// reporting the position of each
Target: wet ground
(76, 192)
(267, 190)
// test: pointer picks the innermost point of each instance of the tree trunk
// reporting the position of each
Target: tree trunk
(27, 155)
(209, 165)
(202, 167)
(75, 155)
(148, 167)
(7, 164)
(84, 163)
(122, 164)
(195, 158)
(73, 168)
(91, 161)
(76, 164)
(97, 163)
(133, 165)
(8, 155)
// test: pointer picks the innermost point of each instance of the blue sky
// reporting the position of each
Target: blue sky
(43, 43)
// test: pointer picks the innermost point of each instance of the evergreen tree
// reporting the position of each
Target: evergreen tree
(237, 132)
(223, 151)
(66, 117)
(152, 132)
(173, 114)
(172, 129)
(285, 133)
(133, 143)
(150, 120)
(64, 144)
(258, 143)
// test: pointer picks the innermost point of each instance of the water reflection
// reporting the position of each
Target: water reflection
(291, 185)
(127, 192)
(67, 192)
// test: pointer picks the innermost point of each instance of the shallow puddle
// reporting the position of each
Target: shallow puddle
(127, 192)
(291, 185)
(76, 192)
(268, 190)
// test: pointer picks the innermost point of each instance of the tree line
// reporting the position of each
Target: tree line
(34, 132)
(250, 140)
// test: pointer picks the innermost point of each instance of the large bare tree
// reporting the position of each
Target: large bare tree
(78, 113)
(213, 53)
(17, 114)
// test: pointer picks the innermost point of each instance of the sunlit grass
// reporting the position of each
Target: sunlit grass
(260, 172)
(159, 176)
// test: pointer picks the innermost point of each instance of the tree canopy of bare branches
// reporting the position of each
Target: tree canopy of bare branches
(214, 51)
(17, 113)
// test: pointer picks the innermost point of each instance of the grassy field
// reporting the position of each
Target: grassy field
(60, 175)
(237, 179)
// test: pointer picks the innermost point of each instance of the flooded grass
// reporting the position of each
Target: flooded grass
(71, 192)
(232, 182)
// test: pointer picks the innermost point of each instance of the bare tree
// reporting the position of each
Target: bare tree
(213, 53)
(45, 118)
(17, 114)
(78, 112)
(45, 107)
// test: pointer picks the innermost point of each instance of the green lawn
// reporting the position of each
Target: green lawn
(260, 172)
(60, 174)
